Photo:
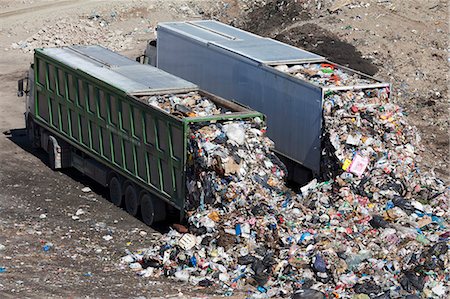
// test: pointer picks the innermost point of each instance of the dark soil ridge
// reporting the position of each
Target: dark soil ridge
(268, 20)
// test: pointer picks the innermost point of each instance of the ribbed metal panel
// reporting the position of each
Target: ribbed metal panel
(239, 65)
(115, 69)
(251, 46)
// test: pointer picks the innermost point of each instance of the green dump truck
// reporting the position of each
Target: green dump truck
(88, 108)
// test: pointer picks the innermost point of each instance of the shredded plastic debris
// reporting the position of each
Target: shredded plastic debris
(378, 228)
(325, 74)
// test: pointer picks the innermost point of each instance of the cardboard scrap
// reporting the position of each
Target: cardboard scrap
(359, 165)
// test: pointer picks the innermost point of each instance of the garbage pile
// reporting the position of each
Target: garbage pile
(190, 104)
(324, 74)
(379, 228)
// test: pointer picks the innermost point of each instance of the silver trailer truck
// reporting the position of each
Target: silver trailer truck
(285, 83)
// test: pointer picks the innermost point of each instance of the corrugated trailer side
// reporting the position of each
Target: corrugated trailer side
(92, 104)
(293, 123)
(141, 143)
(258, 72)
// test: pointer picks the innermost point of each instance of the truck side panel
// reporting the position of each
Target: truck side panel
(293, 108)
(141, 143)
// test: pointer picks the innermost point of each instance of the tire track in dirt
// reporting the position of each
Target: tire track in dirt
(37, 8)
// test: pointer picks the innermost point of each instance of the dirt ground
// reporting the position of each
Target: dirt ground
(403, 42)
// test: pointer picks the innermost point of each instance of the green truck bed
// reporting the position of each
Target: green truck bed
(95, 100)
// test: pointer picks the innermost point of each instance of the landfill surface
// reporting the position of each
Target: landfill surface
(376, 227)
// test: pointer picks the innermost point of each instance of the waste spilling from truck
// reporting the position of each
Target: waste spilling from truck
(378, 229)
(121, 123)
(372, 224)
(285, 83)
(325, 74)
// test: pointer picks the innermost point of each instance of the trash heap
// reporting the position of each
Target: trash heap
(325, 74)
(191, 104)
(377, 229)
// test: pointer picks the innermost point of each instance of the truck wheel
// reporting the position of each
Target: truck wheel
(131, 200)
(115, 191)
(147, 209)
(152, 209)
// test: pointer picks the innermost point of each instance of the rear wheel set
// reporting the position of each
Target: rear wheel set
(131, 200)
(134, 200)
(152, 209)
(115, 191)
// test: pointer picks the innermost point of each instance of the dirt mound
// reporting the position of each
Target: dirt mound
(282, 20)
(318, 40)
(274, 16)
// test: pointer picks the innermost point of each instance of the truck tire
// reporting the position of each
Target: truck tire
(115, 191)
(131, 200)
(152, 209)
(147, 209)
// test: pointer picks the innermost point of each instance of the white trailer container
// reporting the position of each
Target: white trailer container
(261, 73)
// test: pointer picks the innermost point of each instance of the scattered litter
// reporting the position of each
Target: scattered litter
(339, 4)
(107, 237)
(180, 228)
(86, 190)
(42, 216)
(187, 242)
(47, 246)
(79, 212)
